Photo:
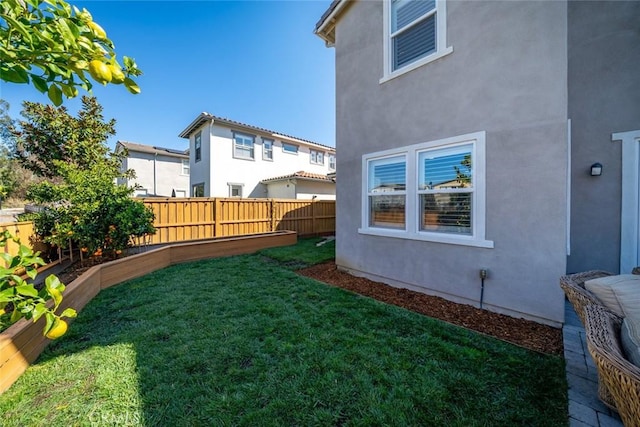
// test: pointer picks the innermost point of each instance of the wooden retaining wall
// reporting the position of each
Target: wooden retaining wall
(22, 343)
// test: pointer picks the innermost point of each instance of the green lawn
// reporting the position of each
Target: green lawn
(245, 341)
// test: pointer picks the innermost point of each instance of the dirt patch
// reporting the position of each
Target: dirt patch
(521, 332)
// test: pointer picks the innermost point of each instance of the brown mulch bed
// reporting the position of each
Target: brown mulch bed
(524, 333)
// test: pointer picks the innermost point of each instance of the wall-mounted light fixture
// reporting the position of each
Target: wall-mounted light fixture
(596, 169)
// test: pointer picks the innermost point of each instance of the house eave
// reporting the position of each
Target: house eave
(326, 26)
(195, 124)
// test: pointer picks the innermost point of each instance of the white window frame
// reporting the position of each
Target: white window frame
(314, 155)
(243, 147)
(267, 153)
(332, 161)
(291, 145)
(237, 185)
(186, 167)
(412, 206)
(441, 42)
(387, 159)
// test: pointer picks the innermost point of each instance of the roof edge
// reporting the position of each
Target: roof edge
(325, 28)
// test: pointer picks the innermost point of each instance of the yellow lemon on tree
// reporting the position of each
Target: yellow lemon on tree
(97, 30)
(117, 76)
(100, 71)
(58, 329)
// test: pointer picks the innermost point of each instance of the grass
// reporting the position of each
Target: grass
(245, 341)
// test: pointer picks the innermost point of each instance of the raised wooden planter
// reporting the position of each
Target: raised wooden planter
(22, 343)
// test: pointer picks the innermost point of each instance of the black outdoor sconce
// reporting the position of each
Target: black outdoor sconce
(596, 169)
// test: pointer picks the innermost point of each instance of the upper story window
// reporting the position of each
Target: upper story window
(434, 191)
(243, 145)
(289, 148)
(198, 146)
(185, 166)
(317, 157)
(332, 162)
(267, 149)
(415, 34)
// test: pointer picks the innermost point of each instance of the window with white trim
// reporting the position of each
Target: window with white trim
(185, 166)
(289, 148)
(387, 192)
(317, 157)
(235, 190)
(267, 149)
(332, 162)
(243, 145)
(433, 191)
(198, 146)
(415, 34)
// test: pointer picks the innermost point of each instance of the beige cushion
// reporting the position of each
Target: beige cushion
(606, 289)
(630, 337)
(629, 299)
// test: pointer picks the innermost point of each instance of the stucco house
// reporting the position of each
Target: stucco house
(467, 132)
(161, 172)
(233, 159)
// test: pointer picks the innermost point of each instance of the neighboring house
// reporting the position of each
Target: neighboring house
(161, 172)
(232, 159)
(301, 185)
(526, 96)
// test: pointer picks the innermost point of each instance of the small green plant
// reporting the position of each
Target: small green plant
(22, 297)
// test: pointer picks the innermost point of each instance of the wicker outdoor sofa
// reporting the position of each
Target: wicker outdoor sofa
(618, 378)
(621, 377)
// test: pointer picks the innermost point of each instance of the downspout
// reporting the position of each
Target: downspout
(155, 190)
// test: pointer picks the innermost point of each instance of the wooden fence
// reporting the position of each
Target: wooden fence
(179, 220)
(22, 230)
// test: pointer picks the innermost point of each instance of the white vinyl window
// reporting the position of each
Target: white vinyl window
(185, 166)
(235, 190)
(332, 162)
(289, 148)
(415, 34)
(267, 149)
(433, 191)
(445, 189)
(243, 146)
(387, 192)
(317, 157)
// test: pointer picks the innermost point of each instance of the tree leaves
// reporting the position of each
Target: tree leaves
(57, 39)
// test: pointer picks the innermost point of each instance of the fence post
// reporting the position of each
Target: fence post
(272, 214)
(217, 217)
(313, 216)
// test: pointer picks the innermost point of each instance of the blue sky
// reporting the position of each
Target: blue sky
(257, 62)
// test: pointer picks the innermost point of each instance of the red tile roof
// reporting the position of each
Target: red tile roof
(301, 175)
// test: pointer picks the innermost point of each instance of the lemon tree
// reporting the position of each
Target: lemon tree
(19, 298)
(58, 49)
